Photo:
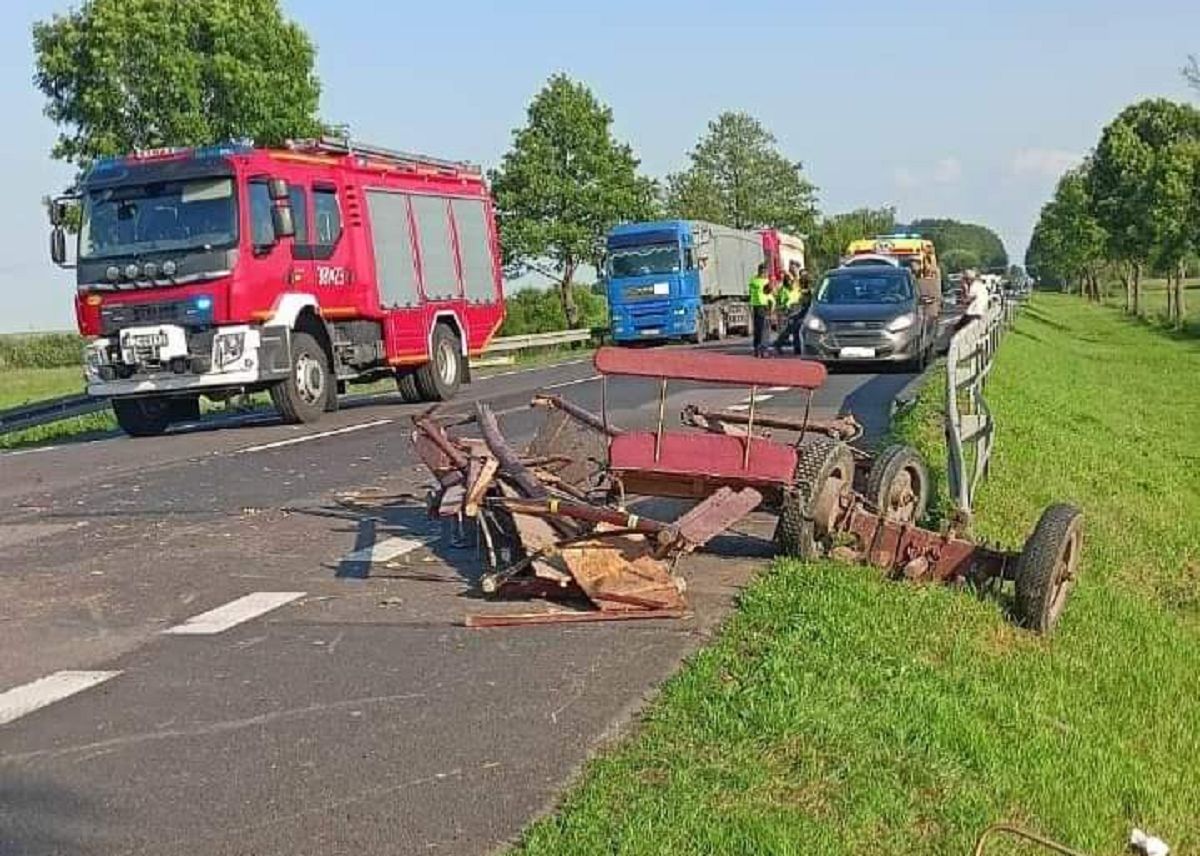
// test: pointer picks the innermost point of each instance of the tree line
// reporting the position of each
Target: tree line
(1131, 208)
(120, 75)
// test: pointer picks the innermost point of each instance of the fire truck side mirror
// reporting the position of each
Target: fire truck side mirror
(277, 189)
(283, 221)
(58, 246)
(58, 212)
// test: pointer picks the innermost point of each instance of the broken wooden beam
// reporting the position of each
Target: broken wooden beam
(580, 414)
(510, 463)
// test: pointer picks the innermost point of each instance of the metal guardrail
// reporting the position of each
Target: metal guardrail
(51, 410)
(55, 409)
(970, 429)
(538, 340)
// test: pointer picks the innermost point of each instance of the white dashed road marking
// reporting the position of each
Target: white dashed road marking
(572, 382)
(386, 550)
(233, 613)
(778, 388)
(738, 407)
(291, 441)
(27, 698)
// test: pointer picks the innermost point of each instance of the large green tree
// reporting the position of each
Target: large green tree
(1191, 73)
(121, 75)
(1173, 214)
(563, 184)
(1126, 181)
(739, 178)
(963, 245)
(1069, 243)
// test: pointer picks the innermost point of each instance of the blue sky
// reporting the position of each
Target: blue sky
(974, 108)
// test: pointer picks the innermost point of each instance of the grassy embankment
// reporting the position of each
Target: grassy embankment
(841, 713)
(38, 366)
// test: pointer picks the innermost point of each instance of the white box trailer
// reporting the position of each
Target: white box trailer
(727, 259)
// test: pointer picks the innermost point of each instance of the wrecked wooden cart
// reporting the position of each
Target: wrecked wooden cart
(546, 533)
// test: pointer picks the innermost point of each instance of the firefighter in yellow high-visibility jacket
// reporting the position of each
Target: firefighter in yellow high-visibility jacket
(760, 305)
(794, 298)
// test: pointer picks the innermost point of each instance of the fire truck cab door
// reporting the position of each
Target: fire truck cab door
(322, 263)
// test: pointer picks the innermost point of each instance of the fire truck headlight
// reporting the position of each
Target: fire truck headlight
(95, 355)
(228, 349)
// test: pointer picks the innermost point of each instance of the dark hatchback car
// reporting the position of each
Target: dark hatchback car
(870, 314)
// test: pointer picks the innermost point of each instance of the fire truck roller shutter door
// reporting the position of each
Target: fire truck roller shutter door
(391, 236)
(475, 250)
(438, 273)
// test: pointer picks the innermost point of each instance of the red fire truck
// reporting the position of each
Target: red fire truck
(229, 269)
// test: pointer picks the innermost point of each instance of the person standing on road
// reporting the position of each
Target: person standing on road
(760, 302)
(975, 292)
(794, 298)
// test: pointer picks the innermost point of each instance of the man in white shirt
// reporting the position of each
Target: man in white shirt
(976, 294)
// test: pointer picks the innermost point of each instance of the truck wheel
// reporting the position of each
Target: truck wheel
(185, 408)
(440, 378)
(898, 484)
(1046, 568)
(303, 395)
(824, 470)
(143, 417)
(407, 385)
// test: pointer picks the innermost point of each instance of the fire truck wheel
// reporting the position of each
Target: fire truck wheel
(898, 484)
(824, 470)
(407, 385)
(303, 395)
(1046, 569)
(143, 417)
(439, 378)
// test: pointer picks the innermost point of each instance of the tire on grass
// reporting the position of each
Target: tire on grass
(1046, 569)
(824, 468)
(898, 484)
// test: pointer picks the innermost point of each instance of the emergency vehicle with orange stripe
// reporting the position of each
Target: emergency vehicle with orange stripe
(230, 269)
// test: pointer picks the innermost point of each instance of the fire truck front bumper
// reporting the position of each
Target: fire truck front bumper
(166, 358)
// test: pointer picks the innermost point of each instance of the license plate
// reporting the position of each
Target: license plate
(858, 353)
(653, 331)
(149, 340)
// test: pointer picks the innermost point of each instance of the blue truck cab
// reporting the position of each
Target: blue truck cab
(653, 282)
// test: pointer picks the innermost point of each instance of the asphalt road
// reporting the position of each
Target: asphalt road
(342, 708)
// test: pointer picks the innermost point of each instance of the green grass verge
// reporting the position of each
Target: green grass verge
(24, 386)
(841, 713)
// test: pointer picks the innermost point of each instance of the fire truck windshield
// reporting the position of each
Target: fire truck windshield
(642, 261)
(196, 213)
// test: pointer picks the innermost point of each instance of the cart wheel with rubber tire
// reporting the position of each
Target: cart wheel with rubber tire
(1047, 567)
(147, 416)
(824, 473)
(898, 484)
(302, 396)
(439, 379)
